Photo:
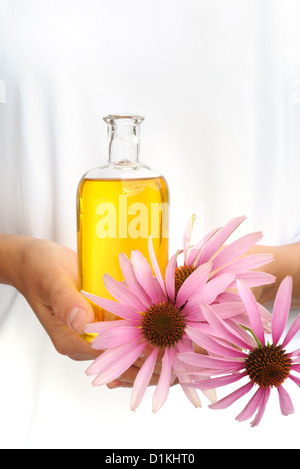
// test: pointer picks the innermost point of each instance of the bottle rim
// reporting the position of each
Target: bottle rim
(123, 119)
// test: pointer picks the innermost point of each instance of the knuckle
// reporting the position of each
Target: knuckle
(60, 301)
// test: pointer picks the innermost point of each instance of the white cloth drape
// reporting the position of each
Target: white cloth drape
(219, 85)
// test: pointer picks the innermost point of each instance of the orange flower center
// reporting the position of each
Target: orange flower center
(268, 366)
(181, 274)
(163, 325)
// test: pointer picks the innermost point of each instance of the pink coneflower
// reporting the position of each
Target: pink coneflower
(162, 313)
(231, 258)
(149, 317)
(235, 354)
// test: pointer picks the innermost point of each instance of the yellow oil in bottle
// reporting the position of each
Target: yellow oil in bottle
(115, 216)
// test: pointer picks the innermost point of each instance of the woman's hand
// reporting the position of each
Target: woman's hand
(286, 262)
(45, 273)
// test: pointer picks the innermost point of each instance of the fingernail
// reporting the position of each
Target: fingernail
(114, 384)
(77, 319)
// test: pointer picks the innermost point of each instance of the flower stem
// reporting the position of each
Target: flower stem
(252, 333)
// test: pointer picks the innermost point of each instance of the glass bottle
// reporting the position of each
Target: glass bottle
(118, 206)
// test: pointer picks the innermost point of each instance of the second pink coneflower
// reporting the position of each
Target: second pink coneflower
(235, 354)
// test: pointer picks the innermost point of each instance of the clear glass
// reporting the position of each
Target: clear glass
(118, 206)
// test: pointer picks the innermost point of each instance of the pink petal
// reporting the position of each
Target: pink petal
(144, 274)
(243, 320)
(208, 292)
(236, 337)
(131, 280)
(234, 396)
(217, 382)
(281, 308)
(295, 379)
(251, 407)
(116, 336)
(246, 263)
(187, 346)
(286, 405)
(292, 331)
(255, 278)
(123, 311)
(122, 293)
(244, 334)
(107, 358)
(163, 387)
(205, 372)
(187, 237)
(142, 379)
(184, 377)
(253, 311)
(119, 365)
(215, 243)
(212, 345)
(193, 283)
(262, 407)
(155, 265)
(196, 250)
(103, 326)
(170, 277)
(161, 294)
(229, 309)
(237, 311)
(228, 297)
(236, 249)
(264, 313)
(210, 393)
(206, 361)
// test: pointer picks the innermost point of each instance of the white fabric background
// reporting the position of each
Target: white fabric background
(219, 85)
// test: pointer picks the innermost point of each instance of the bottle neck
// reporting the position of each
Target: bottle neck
(123, 138)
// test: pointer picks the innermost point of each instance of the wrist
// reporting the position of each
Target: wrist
(11, 254)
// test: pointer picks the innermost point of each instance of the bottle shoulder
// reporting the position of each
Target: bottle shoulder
(122, 171)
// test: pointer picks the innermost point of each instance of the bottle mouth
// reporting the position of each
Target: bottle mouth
(123, 119)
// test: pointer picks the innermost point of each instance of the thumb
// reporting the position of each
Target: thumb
(71, 307)
(78, 318)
